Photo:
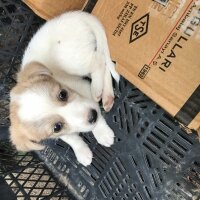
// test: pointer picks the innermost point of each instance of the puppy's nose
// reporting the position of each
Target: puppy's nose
(92, 116)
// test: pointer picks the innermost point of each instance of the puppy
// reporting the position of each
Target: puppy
(51, 99)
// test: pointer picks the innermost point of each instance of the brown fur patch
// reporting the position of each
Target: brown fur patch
(32, 73)
(19, 134)
(26, 135)
(31, 70)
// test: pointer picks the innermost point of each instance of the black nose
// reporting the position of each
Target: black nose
(92, 116)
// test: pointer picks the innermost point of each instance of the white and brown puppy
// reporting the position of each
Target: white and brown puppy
(50, 99)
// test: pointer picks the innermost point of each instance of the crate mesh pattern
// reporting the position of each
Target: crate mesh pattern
(152, 158)
(17, 25)
(26, 177)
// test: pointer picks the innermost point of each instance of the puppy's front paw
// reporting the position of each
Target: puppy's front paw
(105, 137)
(84, 156)
(108, 102)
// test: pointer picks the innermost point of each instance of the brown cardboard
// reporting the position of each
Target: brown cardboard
(48, 9)
(164, 60)
(155, 47)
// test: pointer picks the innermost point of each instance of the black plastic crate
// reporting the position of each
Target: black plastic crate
(152, 158)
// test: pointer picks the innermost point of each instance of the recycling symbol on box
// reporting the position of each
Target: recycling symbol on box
(139, 28)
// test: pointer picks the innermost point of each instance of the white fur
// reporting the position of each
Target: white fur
(81, 149)
(69, 41)
(30, 100)
(76, 44)
(75, 113)
(72, 45)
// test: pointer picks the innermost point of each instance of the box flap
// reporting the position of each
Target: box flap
(48, 9)
(158, 50)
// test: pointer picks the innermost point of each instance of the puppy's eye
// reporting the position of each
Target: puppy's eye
(57, 127)
(63, 95)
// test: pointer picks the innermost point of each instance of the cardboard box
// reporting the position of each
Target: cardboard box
(157, 48)
(48, 9)
(156, 45)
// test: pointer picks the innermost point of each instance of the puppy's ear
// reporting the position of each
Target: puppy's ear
(32, 70)
(22, 142)
(19, 135)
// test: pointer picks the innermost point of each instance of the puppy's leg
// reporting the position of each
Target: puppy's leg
(97, 76)
(108, 94)
(103, 133)
(80, 148)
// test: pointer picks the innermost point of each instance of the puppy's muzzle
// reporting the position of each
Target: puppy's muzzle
(92, 117)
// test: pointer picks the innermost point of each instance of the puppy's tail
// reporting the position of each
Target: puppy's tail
(112, 69)
(102, 44)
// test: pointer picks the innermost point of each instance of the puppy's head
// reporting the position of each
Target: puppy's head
(40, 108)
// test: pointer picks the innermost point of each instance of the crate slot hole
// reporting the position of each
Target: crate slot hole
(164, 160)
(180, 146)
(142, 130)
(140, 196)
(121, 118)
(114, 118)
(101, 158)
(161, 131)
(141, 101)
(125, 108)
(149, 148)
(154, 112)
(117, 169)
(146, 124)
(154, 181)
(11, 8)
(140, 176)
(166, 125)
(107, 184)
(157, 137)
(196, 163)
(60, 145)
(130, 190)
(111, 180)
(148, 162)
(153, 142)
(172, 158)
(176, 151)
(96, 166)
(103, 191)
(127, 196)
(127, 126)
(148, 194)
(132, 96)
(170, 119)
(133, 161)
(138, 135)
(185, 138)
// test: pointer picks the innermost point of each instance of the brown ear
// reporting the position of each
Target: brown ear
(22, 142)
(31, 70)
(19, 134)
